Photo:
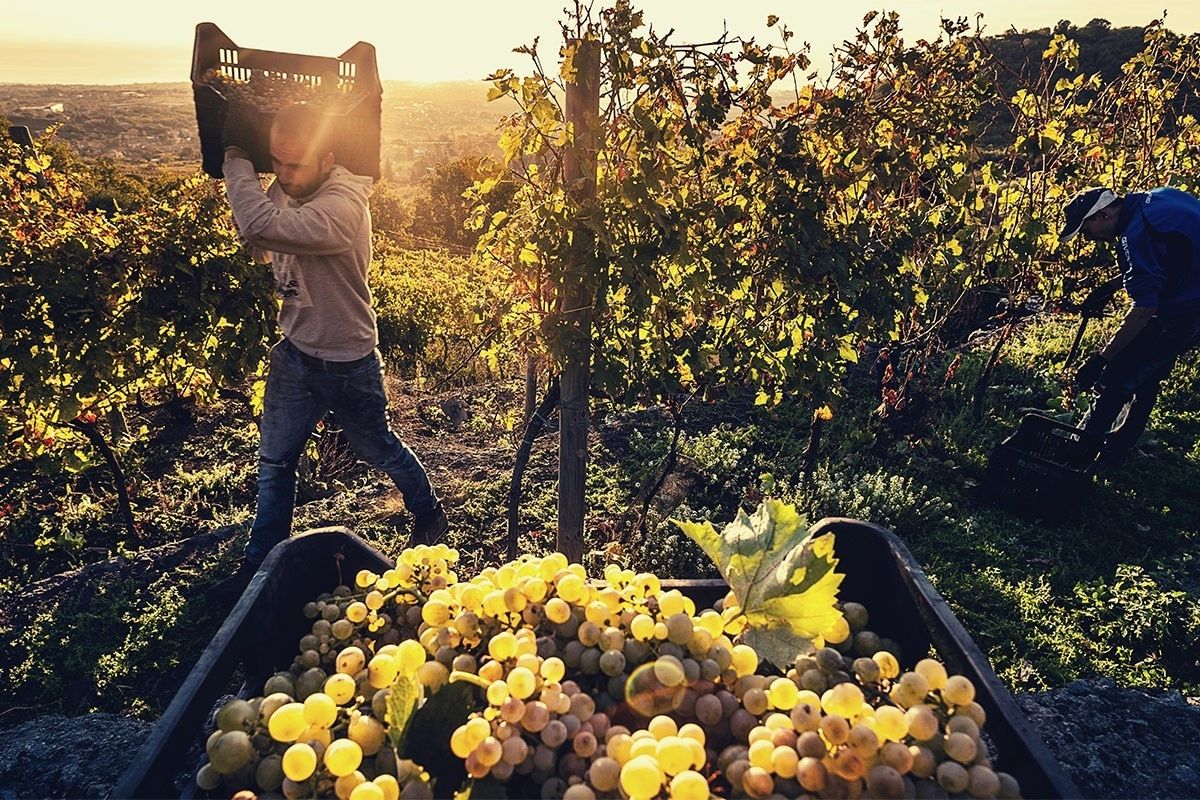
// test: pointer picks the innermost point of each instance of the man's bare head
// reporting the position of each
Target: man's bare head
(301, 148)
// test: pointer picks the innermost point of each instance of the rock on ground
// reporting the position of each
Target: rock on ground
(1118, 743)
(57, 756)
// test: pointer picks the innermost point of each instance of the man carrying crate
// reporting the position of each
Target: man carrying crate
(315, 225)
(1158, 249)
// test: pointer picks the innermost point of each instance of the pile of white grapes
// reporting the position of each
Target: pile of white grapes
(267, 93)
(585, 690)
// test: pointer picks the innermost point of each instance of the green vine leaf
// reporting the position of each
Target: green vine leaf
(785, 580)
(405, 694)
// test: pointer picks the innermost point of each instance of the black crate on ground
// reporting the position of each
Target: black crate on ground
(262, 630)
(1042, 469)
(356, 132)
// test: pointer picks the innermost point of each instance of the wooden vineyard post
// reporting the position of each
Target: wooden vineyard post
(577, 297)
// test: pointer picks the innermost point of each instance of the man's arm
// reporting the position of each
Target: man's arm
(1135, 319)
(1093, 369)
(258, 255)
(327, 225)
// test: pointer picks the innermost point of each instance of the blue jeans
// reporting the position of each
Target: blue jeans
(297, 397)
(1135, 376)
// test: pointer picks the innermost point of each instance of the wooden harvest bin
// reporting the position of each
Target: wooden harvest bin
(261, 633)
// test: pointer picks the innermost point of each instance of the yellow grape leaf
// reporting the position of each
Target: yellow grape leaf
(846, 349)
(785, 580)
(406, 692)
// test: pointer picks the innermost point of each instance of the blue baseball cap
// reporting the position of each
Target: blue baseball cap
(1082, 206)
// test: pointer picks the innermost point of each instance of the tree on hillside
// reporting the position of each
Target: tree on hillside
(440, 212)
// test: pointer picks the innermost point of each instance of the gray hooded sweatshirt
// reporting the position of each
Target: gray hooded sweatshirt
(320, 249)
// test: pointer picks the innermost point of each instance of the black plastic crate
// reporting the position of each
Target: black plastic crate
(1043, 469)
(262, 630)
(356, 134)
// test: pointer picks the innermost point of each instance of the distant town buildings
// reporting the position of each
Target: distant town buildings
(51, 108)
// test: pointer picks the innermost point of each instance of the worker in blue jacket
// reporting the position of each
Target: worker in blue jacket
(1158, 249)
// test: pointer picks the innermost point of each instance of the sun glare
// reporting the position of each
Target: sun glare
(429, 42)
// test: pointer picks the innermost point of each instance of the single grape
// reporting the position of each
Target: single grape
(891, 723)
(814, 680)
(288, 722)
(745, 660)
(863, 741)
(367, 790)
(982, 782)
(828, 659)
(961, 747)
(757, 783)
(674, 754)
(708, 709)
(897, 756)
(889, 667)
(641, 777)
(922, 722)
(856, 615)
(848, 764)
(1008, 789)
(388, 785)
(320, 709)
(835, 729)
(612, 662)
(783, 694)
(952, 777)
(962, 724)
(784, 761)
(756, 701)
(236, 715)
(958, 691)
(341, 687)
(810, 772)
(207, 777)
(932, 671)
(924, 762)
(867, 643)
(367, 732)
(810, 744)
(579, 791)
(885, 782)
(342, 757)
(554, 733)
(689, 785)
(299, 761)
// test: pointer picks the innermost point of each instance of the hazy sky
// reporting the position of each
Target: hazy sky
(117, 41)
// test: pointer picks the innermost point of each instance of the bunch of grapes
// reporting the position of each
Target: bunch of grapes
(268, 93)
(582, 689)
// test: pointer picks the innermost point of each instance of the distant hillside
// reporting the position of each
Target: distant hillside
(155, 123)
(423, 124)
(1102, 48)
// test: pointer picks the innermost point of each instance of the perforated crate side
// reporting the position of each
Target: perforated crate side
(1030, 485)
(1056, 441)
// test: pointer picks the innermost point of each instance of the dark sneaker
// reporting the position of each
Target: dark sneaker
(229, 590)
(429, 527)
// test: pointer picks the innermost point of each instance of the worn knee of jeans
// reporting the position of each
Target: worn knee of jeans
(276, 501)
